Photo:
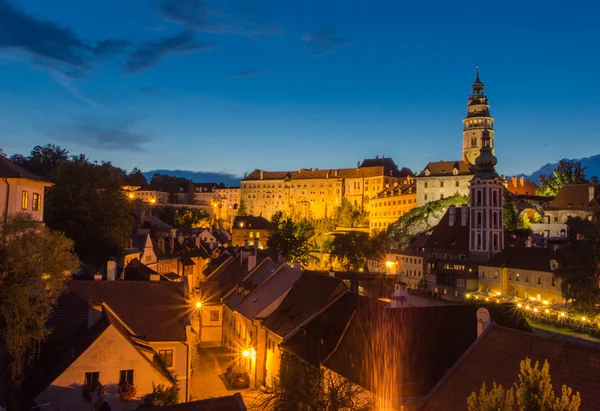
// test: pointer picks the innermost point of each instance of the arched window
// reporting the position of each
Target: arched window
(495, 241)
(478, 219)
(494, 198)
(478, 197)
(495, 219)
(478, 241)
(433, 256)
(463, 257)
(447, 256)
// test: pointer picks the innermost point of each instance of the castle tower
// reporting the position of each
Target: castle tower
(486, 225)
(478, 118)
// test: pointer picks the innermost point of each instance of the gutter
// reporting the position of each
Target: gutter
(5, 211)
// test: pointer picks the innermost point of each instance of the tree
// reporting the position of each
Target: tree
(534, 392)
(135, 178)
(566, 172)
(302, 386)
(43, 159)
(291, 239)
(580, 273)
(191, 192)
(524, 222)
(192, 218)
(349, 216)
(510, 214)
(242, 211)
(87, 204)
(351, 249)
(161, 396)
(34, 264)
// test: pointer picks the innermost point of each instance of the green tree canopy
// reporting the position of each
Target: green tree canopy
(291, 239)
(346, 215)
(242, 211)
(134, 178)
(533, 392)
(87, 204)
(351, 249)
(43, 159)
(566, 172)
(34, 264)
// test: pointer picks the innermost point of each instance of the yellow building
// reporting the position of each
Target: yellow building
(250, 231)
(522, 272)
(317, 193)
(392, 203)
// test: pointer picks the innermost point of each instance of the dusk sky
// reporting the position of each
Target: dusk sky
(230, 85)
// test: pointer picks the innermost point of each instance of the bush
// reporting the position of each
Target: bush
(127, 392)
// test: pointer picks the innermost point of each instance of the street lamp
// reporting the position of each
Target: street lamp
(198, 305)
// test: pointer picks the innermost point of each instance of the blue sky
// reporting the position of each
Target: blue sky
(234, 85)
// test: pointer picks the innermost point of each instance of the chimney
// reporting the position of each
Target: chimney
(591, 192)
(197, 240)
(161, 245)
(452, 215)
(256, 243)
(97, 277)
(180, 238)
(400, 296)
(382, 156)
(154, 278)
(297, 266)
(395, 184)
(94, 313)
(331, 272)
(464, 211)
(111, 270)
(376, 157)
(173, 233)
(483, 320)
(245, 174)
(336, 173)
(261, 174)
(514, 181)
(252, 261)
(391, 172)
(522, 180)
(528, 242)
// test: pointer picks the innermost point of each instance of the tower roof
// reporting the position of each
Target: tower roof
(477, 85)
(486, 161)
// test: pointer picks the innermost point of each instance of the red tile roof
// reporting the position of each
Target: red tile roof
(520, 186)
(577, 197)
(446, 237)
(524, 258)
(8, 169)
(495, 357)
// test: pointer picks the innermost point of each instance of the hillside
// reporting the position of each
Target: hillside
(592, 163)
(198, 176)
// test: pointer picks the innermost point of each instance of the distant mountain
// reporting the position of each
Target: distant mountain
(198, 176)
(592, 163)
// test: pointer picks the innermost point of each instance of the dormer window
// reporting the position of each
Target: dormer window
(553, 265)
(455, 171)
(427, 172)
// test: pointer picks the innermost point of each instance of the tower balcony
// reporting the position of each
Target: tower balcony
(489, 126)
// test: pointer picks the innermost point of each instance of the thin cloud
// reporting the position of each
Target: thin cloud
(323, 41)
(248, 73)
(199, 15)
(69, 84)
(110, 134)
(49, 45)
(150, 54)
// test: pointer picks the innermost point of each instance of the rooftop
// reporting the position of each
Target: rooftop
(445, 168)
(524, 258)
(495, 357)
(9, 169)
(577, 197)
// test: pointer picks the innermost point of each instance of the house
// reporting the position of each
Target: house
(105, 356)
(574, 200)
(523, 272)
(309, 295)
(392, 203)
(233, 402)
(495, 357)
(156, 315)
(248, 230)
(21, 191)
(410, 262)
(442, 179)
(518, 186)
(399, 354)
(255, 297)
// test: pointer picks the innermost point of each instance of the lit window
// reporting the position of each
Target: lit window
(35, 202)
(166, 356)
(92, 378)
(24, 200)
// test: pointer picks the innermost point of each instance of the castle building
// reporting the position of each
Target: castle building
(444, 179)
(486, 236)
(391, 204)
(317, 193)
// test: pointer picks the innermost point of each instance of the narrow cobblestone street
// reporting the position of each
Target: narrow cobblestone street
(209, 364)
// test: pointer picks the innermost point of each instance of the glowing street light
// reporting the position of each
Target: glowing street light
(563, 314)
(389, 264)
(153, 200)
(198, 304)
(131, 195)
(246, 353)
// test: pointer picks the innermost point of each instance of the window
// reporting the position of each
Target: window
(518, 277)
(553, 281)
(457, 184)
(425, 197)
(166, 356)
(126, 376)
(24, 200)
(441, 184)
(478, 219)
(35, 202)
(539, 280)
(92, 378)
(214, 315)
(425, 185)
(473, 142)
(148, 258)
